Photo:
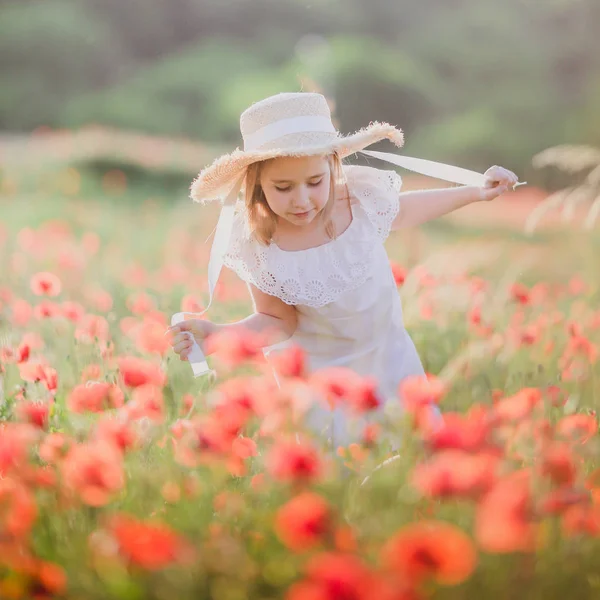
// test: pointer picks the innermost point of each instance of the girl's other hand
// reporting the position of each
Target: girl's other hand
(498, 181)
(180, 335)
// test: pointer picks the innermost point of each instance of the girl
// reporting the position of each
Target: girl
(308, 239)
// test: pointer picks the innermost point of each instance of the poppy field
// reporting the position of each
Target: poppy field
(123, 477)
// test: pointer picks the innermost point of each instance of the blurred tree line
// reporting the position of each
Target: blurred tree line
(475, 81)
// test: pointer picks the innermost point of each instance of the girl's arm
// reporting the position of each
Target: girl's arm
(270, 315)
(425, 205)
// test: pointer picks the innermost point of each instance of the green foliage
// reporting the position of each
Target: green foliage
(50, 50)
(473, 81)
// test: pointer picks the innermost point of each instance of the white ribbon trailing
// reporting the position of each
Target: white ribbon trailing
(196, 356)
(432, 169)
(220, 244)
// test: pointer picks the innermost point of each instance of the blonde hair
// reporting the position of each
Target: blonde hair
(262, 220)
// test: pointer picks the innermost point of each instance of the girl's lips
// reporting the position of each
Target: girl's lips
(302, 214)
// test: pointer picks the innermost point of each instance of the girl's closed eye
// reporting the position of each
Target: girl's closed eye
(287, 189)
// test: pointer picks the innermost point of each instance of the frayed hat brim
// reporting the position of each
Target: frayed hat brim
(215, 181)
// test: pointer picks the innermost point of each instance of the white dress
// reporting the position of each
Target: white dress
(349, 309)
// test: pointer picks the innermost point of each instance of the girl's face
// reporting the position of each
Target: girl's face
(296, 188)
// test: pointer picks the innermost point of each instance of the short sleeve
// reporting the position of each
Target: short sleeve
(245, 255)
(378, 191)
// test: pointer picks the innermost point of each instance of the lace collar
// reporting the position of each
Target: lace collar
(319, 275)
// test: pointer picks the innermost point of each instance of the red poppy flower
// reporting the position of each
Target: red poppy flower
(291, 461)
(345, 539)
(520, 294)
(558, 463)
(239, 392)
(290, 362)
(19, 509)
(91, 328)
(137, 371)
(454, 473)
(370, 434)
(202, 440)
(385, 587)
(94, 471)
(72, 311)
(431, 550)
(578, 428)
(418, 392)
(150, 338)
(36, 413)
(519, 406)
(151, 546)
(334, 383)
(147, 401)
(38, 371)
(592, 483)
(579, 344)
(505, 520)
(364, 396)
(399, 273)
(581, 519)
(21, 311)
(468, 431)
(556, 395)
(231, 417)
(474, 315)
(95, 397)
(244, 447)
(50, 581)
(118, 432)
(303, 521)
(331, 576)
(15, 441)
(53, 447)
(22, 353)
(234, 348)
(40, 580)
(45, 284)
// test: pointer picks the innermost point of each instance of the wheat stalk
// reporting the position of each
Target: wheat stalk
(574, 160)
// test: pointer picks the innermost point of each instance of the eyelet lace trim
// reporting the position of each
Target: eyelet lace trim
(319, 275)
(378, 191)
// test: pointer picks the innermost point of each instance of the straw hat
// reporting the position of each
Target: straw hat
(287, 124)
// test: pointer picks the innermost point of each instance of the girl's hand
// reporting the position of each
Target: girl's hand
(180, 335)
(499, 180)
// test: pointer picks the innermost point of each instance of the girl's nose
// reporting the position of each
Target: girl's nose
(302, 199)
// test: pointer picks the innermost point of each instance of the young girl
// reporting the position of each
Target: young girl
(309, 235)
